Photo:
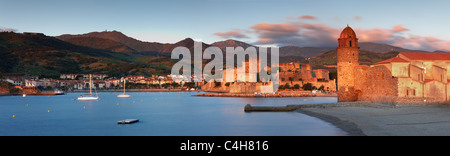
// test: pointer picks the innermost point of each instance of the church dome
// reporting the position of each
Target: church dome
(348, 33)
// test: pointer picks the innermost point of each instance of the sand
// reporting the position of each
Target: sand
(386, 121)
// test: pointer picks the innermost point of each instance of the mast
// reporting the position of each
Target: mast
(90, 84)
(123, 86)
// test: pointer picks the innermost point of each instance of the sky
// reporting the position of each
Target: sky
(409, 24)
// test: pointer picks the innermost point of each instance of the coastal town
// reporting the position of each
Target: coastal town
(293, 77)
(19, 83)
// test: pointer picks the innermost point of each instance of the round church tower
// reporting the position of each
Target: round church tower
(347, 60)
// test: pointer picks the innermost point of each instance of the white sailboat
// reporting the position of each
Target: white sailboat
(89, 97)
(123, 95)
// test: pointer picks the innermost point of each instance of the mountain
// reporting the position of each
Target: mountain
(45, 56)
(383, 48)
(150, 48)
(119, 37)
(100, 43)
(302, 51)
(365, 58)
(231, 43)
(115, 54)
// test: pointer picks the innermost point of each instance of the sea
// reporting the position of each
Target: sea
(159, 114)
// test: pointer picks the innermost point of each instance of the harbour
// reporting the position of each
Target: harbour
(159, 114)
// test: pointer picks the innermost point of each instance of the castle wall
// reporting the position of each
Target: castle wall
(435, 89)
(242, 87)
(322, 74)
(376, 85)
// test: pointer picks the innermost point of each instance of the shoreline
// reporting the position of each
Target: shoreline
(386, 119)
(110, 90)
(349, 127)
(377, 119)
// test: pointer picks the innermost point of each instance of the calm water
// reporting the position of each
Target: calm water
(160, 113)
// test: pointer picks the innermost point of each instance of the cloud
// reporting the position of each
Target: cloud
(306, 34)
(400, 28)
(427, 43)
(307, 17)
(231, 34)
(281, 33)
(380, 35)
(295, 33)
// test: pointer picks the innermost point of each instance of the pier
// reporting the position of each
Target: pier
(289, 108)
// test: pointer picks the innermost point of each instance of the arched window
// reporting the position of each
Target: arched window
(350, 43)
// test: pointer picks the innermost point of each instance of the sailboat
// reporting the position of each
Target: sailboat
(88, 97)
(123, 95)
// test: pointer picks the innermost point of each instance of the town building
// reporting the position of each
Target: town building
(410, 77)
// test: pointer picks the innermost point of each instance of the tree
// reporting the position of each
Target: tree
(175, 85)
(296, 86)
(217, 84)
(322, 87)
(287, 86)
(307, 86)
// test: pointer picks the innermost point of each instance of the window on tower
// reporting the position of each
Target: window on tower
(350, 43)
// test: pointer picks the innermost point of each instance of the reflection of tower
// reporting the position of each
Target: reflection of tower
(347, 60)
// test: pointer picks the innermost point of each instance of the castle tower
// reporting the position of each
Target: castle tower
(347, 60)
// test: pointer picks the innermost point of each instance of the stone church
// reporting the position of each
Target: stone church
(419, 77)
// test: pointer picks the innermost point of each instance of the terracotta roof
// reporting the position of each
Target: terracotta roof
(426, 56)
(394, 59)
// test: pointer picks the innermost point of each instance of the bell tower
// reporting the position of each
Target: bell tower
(347, 60)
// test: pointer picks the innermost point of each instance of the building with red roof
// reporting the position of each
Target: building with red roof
(409, 77)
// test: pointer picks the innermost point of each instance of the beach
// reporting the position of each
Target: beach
(359, 119)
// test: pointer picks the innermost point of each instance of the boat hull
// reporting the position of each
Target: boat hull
(123, 96)
(87, 98)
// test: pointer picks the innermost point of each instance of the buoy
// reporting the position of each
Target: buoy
(14, 116)
(27, 105)
(84, 107)
(117, 104)
(49, 111)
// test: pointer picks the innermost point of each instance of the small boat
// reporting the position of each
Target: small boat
(123, 95)
(24, 95)
(59, 92)
(88, 97)
(127, 121)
